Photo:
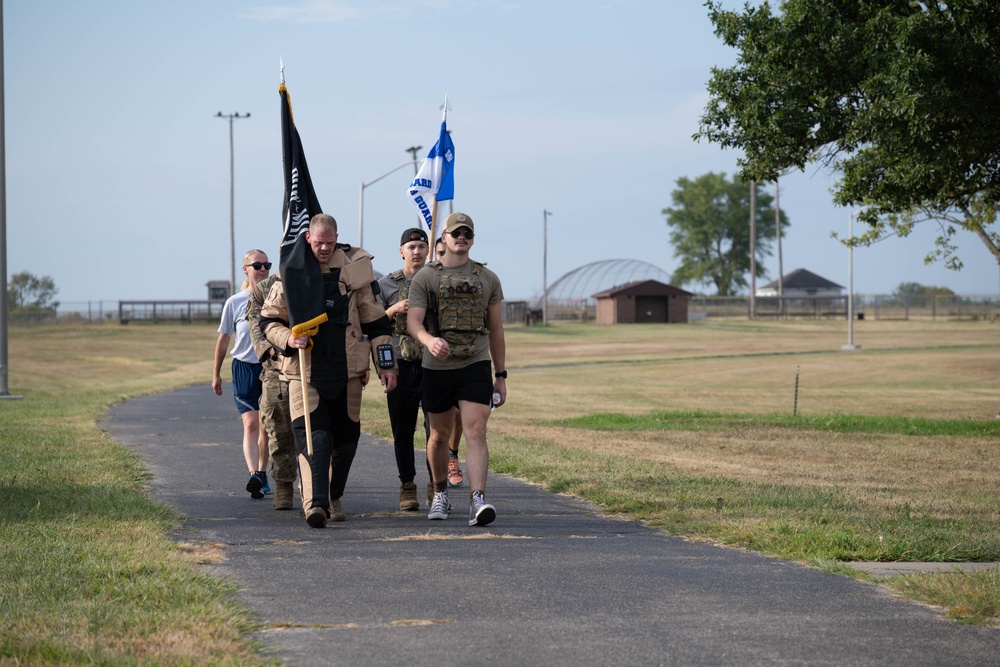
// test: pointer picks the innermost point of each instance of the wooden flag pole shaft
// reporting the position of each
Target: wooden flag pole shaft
(305, 402)
(434, 224)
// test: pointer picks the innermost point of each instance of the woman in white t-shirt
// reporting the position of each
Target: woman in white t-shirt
(246, 372)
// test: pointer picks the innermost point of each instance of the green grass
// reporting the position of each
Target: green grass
(88, 571)
(715, 421)
(969, 598)
(894, 457)
(795, 522)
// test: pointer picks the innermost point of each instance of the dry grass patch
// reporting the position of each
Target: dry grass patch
(421, 621)
(203, 553)
(445, 536)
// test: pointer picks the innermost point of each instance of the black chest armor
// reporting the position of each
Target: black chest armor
(329, 353)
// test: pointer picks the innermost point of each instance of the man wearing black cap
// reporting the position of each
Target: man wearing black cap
(462, 302)
(404, 400)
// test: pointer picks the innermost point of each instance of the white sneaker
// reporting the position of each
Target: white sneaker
(481, 513)
(439, 506)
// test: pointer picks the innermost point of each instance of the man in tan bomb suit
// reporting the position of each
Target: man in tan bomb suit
(336, 367)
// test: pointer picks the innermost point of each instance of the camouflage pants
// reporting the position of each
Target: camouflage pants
(276, 417)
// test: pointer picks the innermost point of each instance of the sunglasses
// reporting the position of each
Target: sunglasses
(462, 231)
(258, 265)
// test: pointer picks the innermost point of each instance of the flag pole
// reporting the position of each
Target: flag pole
(305, 402)
(434, 216)
(434, 224)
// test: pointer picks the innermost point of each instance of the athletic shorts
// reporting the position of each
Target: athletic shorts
(442, 390)
(246, 385)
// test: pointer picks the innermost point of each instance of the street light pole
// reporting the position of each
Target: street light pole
(232, 231)
(361, 200)
(413, 150)
(850, 289)
(545, 265)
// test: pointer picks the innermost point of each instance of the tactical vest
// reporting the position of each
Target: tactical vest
(409, 348)
(461, 310)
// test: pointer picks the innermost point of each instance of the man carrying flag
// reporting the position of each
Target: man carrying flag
(435, 181)
(318, 317)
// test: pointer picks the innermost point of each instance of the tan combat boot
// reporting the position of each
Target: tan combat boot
(408, 497)
(337, 511)
(283, 496)
(316, 517)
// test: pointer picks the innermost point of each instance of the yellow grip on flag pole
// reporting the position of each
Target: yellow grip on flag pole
(310, 328)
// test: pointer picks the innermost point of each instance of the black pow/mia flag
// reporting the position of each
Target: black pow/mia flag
(300, 272)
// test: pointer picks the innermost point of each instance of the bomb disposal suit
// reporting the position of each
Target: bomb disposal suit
(334, 370)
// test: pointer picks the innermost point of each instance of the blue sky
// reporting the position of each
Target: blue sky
(118, 172)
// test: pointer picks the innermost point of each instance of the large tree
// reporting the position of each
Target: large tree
(710, 231)
(25, 291)
(898, 97)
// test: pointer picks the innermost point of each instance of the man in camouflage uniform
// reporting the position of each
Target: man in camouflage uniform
(404, 400)
(274, 413)
(462, 302)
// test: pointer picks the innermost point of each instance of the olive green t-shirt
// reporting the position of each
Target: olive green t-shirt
(427, 282)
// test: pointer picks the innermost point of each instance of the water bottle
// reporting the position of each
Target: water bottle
(496, 401)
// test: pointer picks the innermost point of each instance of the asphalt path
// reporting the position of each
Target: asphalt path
(552, 581)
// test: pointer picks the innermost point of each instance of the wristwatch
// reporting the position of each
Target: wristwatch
(501, 374)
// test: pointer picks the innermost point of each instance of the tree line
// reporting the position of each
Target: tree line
(898, 99)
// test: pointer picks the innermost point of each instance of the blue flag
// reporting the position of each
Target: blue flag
(436, 177)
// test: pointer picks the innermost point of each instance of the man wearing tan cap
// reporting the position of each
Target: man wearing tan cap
(462, 302)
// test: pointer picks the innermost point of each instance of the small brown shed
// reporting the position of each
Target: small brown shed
(642, 301)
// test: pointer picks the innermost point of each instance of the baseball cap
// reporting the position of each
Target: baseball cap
(413, 234)
(456, 220)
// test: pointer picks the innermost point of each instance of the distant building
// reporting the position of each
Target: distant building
(800, 283)
(642, 301)
(219, 290)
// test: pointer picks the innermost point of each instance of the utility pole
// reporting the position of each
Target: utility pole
(545, 265)
(232, 226)
(777, 234)
(753, 250)
(4, 387)
(850, 289)
(413, 151)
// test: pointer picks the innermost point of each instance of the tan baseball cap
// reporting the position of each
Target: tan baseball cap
(456, 220)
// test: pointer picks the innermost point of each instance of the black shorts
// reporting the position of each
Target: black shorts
(442, 390)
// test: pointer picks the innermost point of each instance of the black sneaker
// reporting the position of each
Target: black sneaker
(254, 486)
(481, 513)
